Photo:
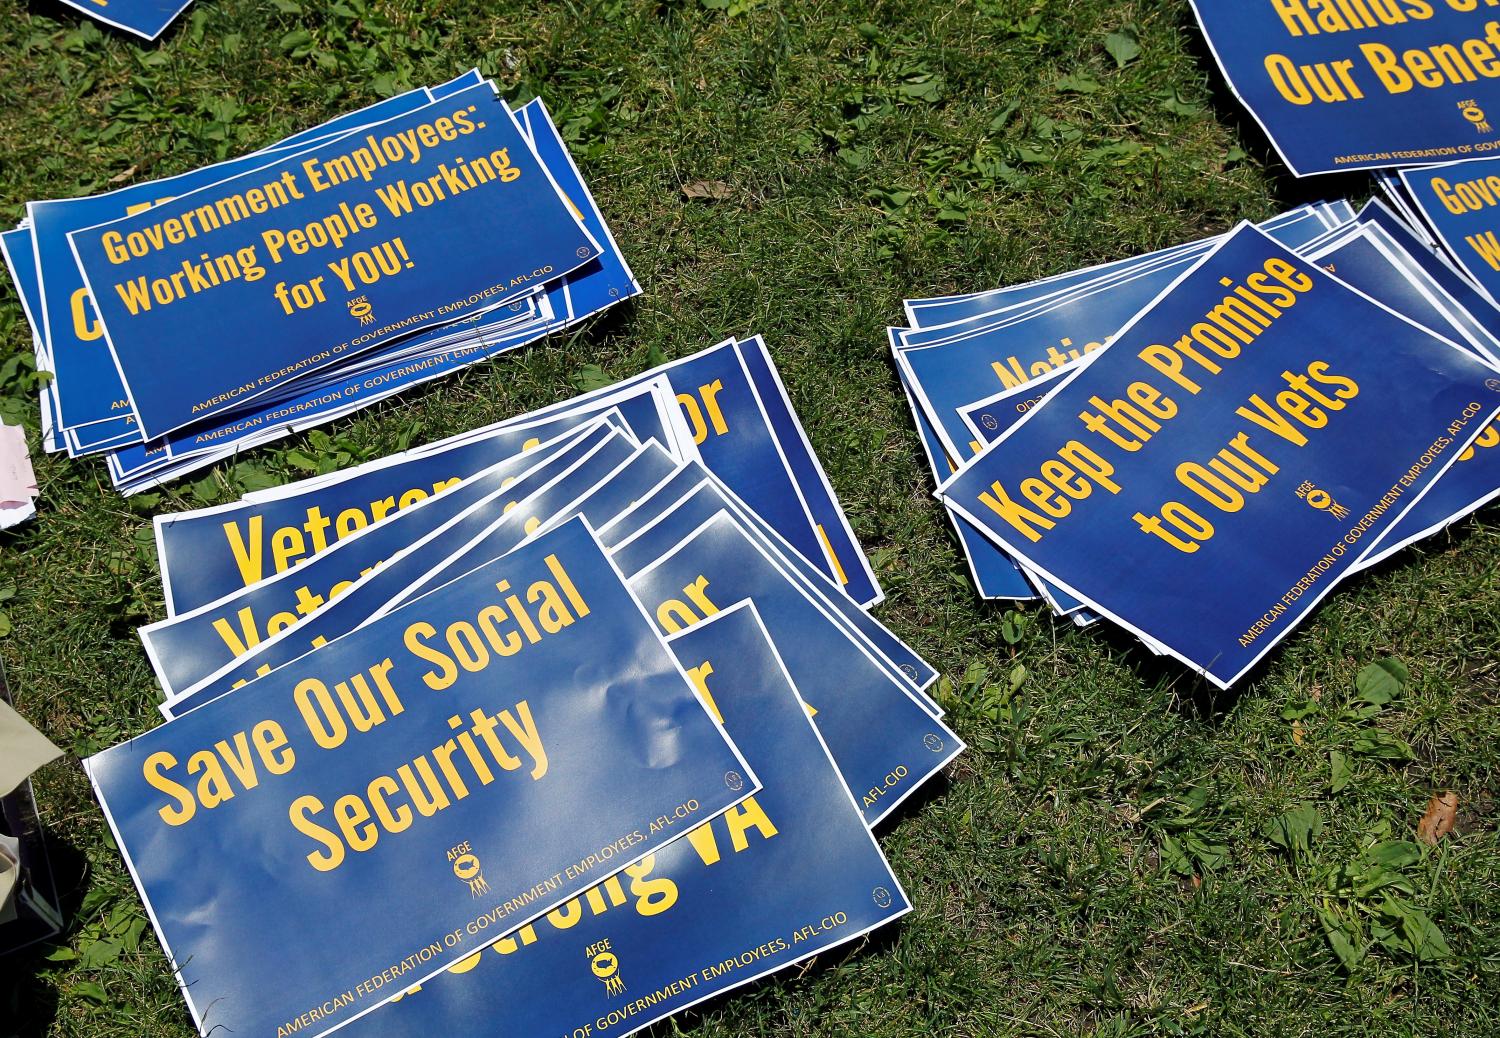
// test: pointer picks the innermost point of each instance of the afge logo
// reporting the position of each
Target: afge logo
(1472, 112)
(362, 310)
(467, 869)
(1322, 500)
(605, 966)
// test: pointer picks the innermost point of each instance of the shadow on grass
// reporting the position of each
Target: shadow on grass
(29, 1001)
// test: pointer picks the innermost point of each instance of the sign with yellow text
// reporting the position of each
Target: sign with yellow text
(225, 294)
(366, 816)
(884, 735)
(208, 553)
(147, 19)
(1208, 477)
(1354, 84)
(1461, 202)
(790, 873)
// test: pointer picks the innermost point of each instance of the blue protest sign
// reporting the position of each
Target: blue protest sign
(541, 496)
(1368, 260)
(991, 418)
(209, 553)
(952, 311)
(20, 260)
(1032, 341)
(147, 19)
(1461, 202)
(616, 496)
(89, 385)
(607, 279)
(1340, 86)
(729, 419)
(850, 566)
(307, 401)
(1477, 313)
(883, 738)
(426, 218)
(788, 874)
(1365, 257)
(693, 495)
(1472, 482)
(736, 441)
(558, 702)
(486, 528)
(187, 648)
(994, 574)
(1213, 473)
(312, 401)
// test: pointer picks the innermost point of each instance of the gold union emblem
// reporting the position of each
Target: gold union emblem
(361, 310)
(606, 966)
(466, 868)
(1472, 112)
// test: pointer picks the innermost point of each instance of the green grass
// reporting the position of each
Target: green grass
(1099, 863)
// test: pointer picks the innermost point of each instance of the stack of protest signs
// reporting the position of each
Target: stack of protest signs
(1360, 84)
(586, 704)
(1199, 444)
(1455, 208)
(186, 319)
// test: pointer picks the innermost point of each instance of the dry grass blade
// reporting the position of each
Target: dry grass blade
(1437, 820)
(715, 190)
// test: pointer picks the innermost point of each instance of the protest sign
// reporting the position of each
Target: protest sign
(426, 230)
(881, 734)
(188, 647)
(1219, 389)
(606, 279)
(1461, 202)
(465, 809)
(1024, 343)
(746, 434)
(790, 873)
(993, 573)
(147, 19)
(1360, 83)
(488, 529)
(209, 553)
(615, 496)
(1373, 251)
(85, 407)
(87, 384)
(1368, 259)
(949, 312)
(595, 286)
(1475, 312)
(540, 496)
(1364, 256)
(832, 525)
(693, 495)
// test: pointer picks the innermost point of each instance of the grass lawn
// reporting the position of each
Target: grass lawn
(1123, 851)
